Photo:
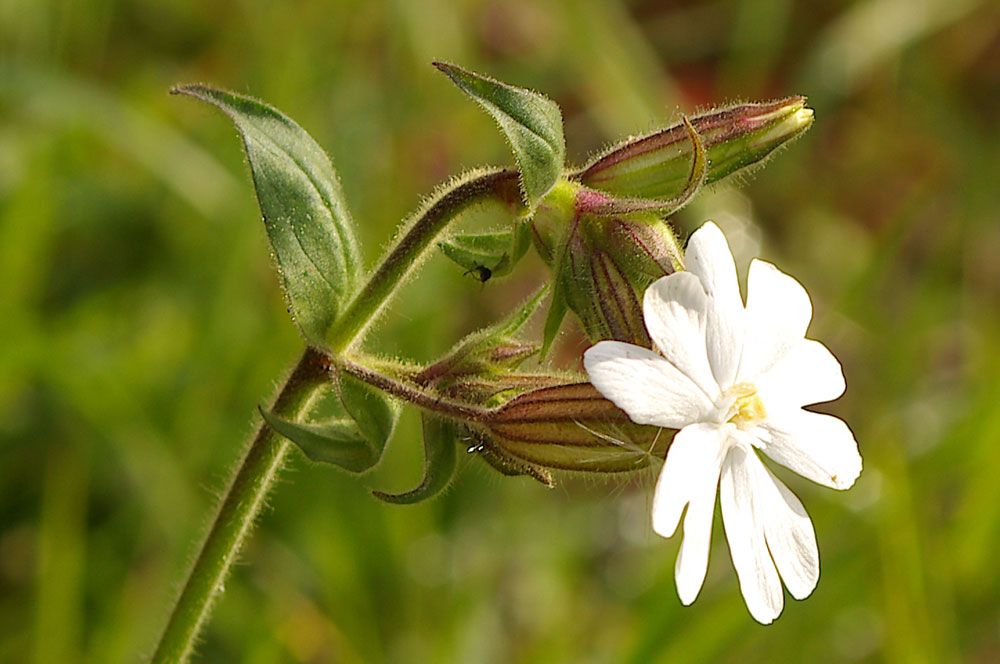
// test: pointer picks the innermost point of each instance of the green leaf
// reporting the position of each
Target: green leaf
(563, 268)
(554, 318)
(441, 438)
(497, 252)
(337, 442)
(373, 411)
(354, 443)
(303, 206)
(516, 320)
(531, 122)
(491, 352)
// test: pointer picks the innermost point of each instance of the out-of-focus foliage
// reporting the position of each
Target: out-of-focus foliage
(142, 324)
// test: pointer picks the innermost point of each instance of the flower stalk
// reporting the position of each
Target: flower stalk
(242, 503)
(550, 421)
(413, 244)
(257, 472)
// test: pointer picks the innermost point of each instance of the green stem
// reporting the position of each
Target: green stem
(263, 460)
(410, 394)
(242, 503)
(411, 246)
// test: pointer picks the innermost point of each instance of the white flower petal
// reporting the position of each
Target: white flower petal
(818, 447)
(675, 309)
(777, 315)
(643, 384)
(708, 257)
(789, 533)
(690, 476)
(743, 520)
(807, 374)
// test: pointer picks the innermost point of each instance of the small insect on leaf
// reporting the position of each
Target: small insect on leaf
(488, 255)
(480, 272)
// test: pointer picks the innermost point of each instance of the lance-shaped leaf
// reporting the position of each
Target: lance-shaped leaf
(303, 206)
(337, 442)
(373, 411)
(496, 252)
(441, 438)
(554, 317)
(517, 318)
(355, 438)
(531, 122)
(492, 351)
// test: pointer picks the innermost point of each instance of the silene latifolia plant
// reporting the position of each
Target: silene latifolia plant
(680, 368)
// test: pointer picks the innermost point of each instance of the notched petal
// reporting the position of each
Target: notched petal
(819, 447)
(643, 384)
(807, 374)
(709, 258)
(674, 309)
(743, 519)
(790, 536)
(778, 312)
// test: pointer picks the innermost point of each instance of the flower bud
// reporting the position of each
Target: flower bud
(530, 423)
(601, 262)
(482, 365)
(571, 427)
(476, 357)
(490, 390)
(735, 139)
(601, 231)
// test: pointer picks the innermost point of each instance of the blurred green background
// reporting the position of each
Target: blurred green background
(141, 324)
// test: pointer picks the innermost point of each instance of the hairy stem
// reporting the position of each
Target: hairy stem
(263, 460)
(411, 246)
(409, 393)
(242, 503)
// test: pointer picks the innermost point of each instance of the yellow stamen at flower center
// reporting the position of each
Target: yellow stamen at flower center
(748, 409)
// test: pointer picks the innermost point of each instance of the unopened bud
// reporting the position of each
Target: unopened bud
(602, 263)
(494, 389)
(735, 138)
(572, 427)
(491, 353)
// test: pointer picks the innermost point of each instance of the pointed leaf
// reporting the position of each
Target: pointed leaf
(554, 318)
(303, 206)
(337, 442)
(441, 438)
(563, 266)
(354, 443)
(532, 123)
(498, 252)
(373, 411)
(516, 320)
(490, 351)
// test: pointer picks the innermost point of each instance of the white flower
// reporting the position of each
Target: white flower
(733, 379)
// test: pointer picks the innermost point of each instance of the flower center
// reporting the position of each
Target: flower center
(747, 409)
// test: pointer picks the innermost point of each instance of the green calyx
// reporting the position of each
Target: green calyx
(737, 139)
